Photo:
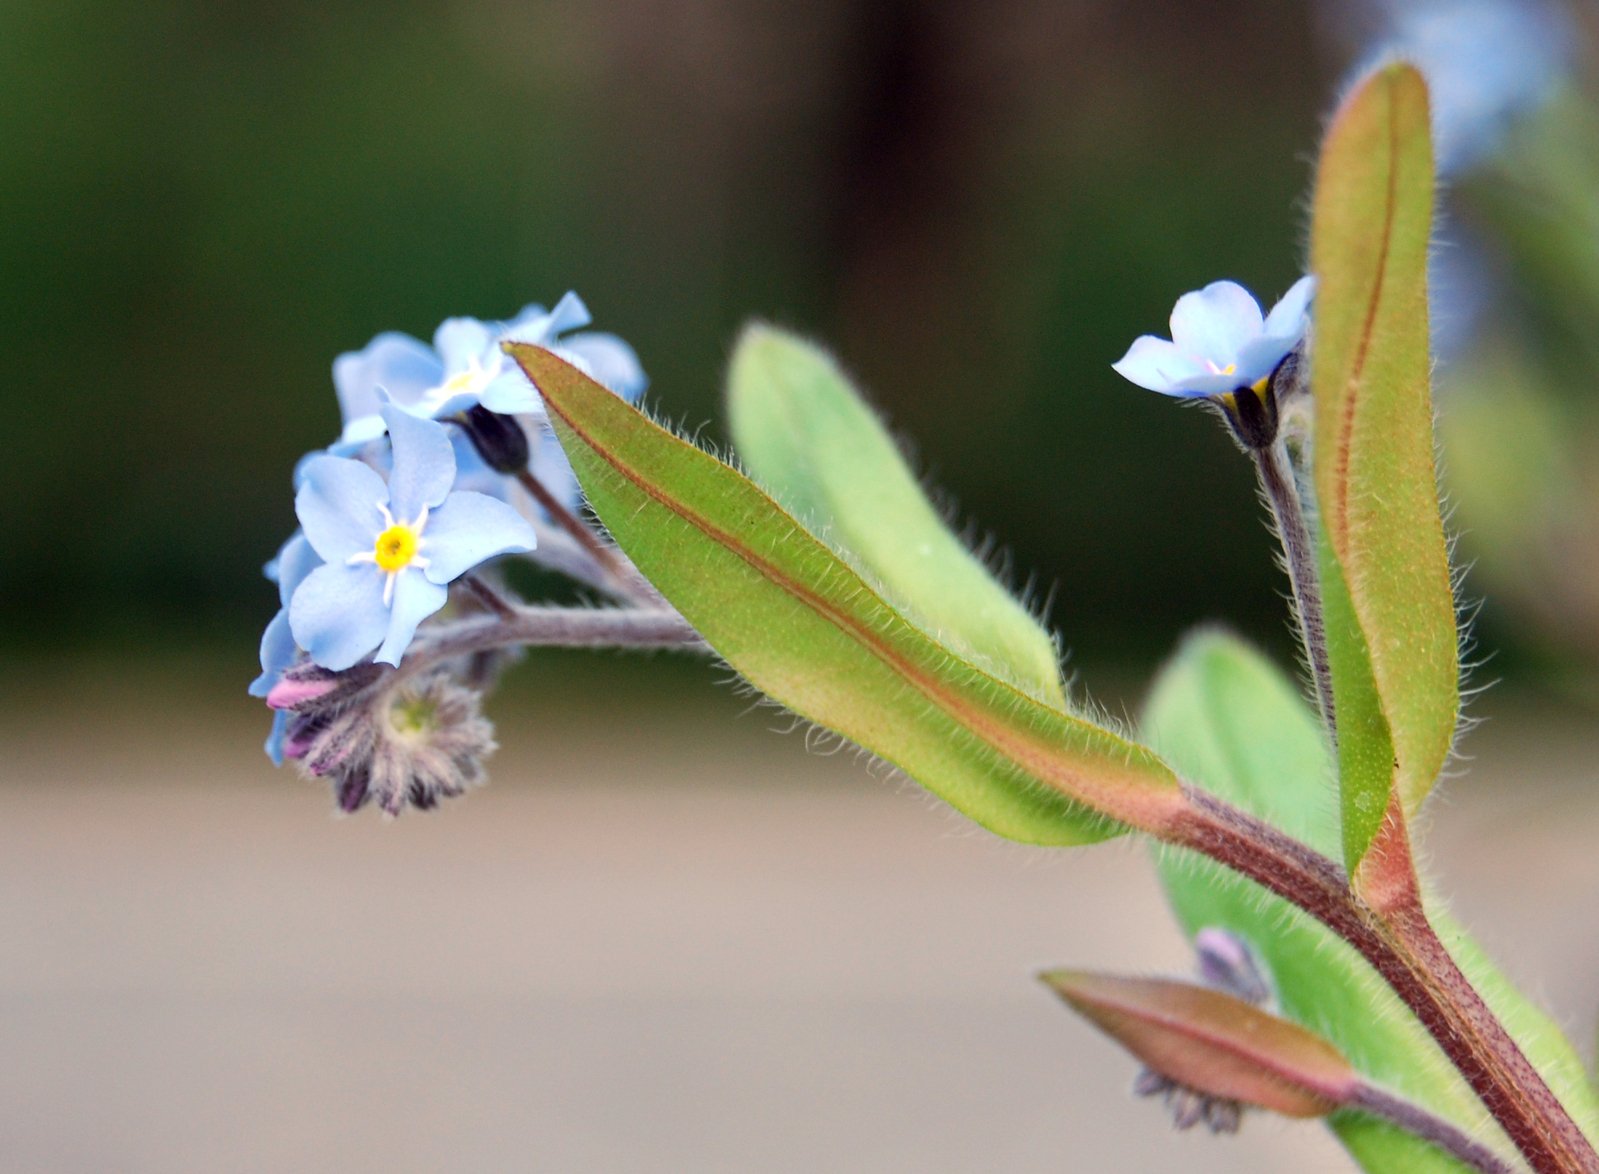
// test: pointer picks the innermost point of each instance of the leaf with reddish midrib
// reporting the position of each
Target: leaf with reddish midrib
(1392, 638)
(796, 621)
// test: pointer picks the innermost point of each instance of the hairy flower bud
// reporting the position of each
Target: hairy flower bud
(307, 687)
(412, 746)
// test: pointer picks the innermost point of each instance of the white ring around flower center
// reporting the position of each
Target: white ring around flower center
(394, 548)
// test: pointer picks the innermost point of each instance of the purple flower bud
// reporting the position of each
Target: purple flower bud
(1227, 963)
(292, 694)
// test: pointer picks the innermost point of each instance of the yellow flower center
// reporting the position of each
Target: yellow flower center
(395, 548)
(474, 379)
(462, 381)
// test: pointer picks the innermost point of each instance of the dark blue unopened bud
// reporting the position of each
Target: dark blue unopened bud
(499, 439)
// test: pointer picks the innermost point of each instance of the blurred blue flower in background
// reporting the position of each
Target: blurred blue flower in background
(1487, 63)
(1219, 341)
(390, 549)
(465, 367)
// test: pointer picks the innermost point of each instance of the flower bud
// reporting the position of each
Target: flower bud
(499, 439)
(306, 687)
(412, 746)
(1208, 1052)
(1227, 963)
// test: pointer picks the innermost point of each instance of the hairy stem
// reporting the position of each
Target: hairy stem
(610, 562)
(1404, 949)
(560, 552)
(488, 596)
(1299, 554)
(1447, 1136)
(547, 627)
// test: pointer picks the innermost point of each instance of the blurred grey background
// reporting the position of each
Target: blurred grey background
(663, 939)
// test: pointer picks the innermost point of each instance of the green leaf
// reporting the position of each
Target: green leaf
(1391, 623)
(1227, 720)
(806, 435)
(802, 626)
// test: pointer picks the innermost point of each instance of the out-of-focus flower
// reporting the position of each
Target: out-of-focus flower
(1220, 341)
(465, 368)
(295, 560)
(1487, 62)
(390, 549)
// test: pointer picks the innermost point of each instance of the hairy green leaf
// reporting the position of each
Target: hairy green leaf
(1229, 721)
(809, 439)
(1382, 540)
(802, 626)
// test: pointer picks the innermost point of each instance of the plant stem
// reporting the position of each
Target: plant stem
(1403, 948)
(1299, 556)
(609, 561)
(548, 627)
(1447, 1136)
(559, 551)
(490, 598)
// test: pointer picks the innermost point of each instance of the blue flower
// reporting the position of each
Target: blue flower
(390, 549)
(295, 560)
(465, 367)
(1219, 341)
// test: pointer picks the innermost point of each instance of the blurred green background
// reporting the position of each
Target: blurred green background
(200, 205)
(203, 204)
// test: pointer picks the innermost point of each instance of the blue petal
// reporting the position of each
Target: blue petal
(424, 464)
(278, 651)
(1195, 386)
(468, 529)
(357, 434)
(396, 363)
(534, 326)
(274, 742)
(298, 477)
(1155, 364)
(512, 394)
(338, 507)
(554, 471)
(295, 561)
(1260, 358)
(459, 341)
(1214, 323)
(470, 470)
(338, 614)
(1287, 318)
(415, 599)
(608, 360)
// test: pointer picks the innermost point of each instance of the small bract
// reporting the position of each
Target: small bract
(1219, 341)
(390, 549)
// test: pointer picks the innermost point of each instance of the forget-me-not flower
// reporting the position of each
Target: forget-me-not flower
(465, 367)
(295, 560)
(390, 549)
(1219, 341)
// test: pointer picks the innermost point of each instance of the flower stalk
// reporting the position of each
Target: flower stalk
(603, 556)
(1281, 490)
